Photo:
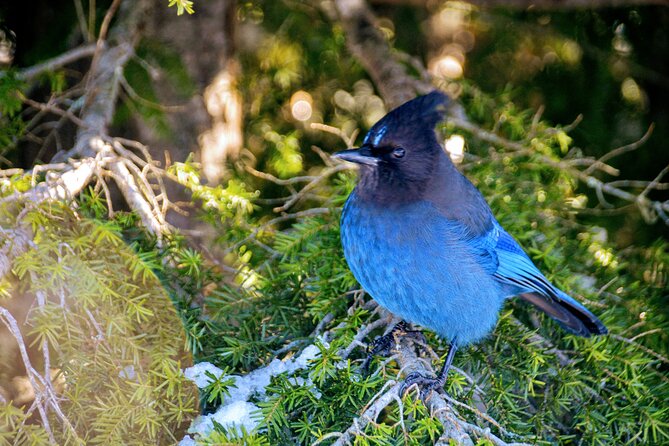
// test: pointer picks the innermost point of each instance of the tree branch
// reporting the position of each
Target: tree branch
(372, 51)
(28, 74)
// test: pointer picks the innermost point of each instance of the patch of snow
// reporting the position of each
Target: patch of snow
(236, 411)
(197, 373)
(232, 416)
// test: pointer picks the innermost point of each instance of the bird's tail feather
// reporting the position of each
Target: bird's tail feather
(570, 314)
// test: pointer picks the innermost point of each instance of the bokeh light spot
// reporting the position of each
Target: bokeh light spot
(301, 105)
(448, 66)
(455, 146)
(631, 91)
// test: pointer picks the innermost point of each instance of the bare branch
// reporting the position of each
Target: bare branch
(32, 374)
(137, 201)
(371, 49)
(348, 139)
(620, 150)
(326, 173)
(383, 399)
(52, 108)
(59, 61)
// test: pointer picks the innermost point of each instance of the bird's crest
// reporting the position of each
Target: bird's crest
(421, 114)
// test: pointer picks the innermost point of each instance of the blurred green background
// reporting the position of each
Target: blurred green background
(609, 66)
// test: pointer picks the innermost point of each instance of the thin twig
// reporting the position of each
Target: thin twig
(51, 108)
(31, 373)
(642, 347)
(326, 173)
(621, 150)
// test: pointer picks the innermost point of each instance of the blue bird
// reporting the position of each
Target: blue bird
(422, 241)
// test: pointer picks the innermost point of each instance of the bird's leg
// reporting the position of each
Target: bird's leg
(383, 345)
(426, 384)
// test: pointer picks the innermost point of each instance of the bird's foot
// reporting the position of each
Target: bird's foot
(425, 384)
(384, 345)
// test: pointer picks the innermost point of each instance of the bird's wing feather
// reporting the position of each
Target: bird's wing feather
(501, 256)
(514, 267)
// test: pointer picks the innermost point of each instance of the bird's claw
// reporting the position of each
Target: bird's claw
(425, 384)
(384, 345)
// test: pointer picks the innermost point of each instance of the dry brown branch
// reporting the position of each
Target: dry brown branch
(135, 198)
(348, 139)
(639, 184)
(363, 334)
(280, 181)
(52, 108)
(102, 36)
(383, 399)
(326, 173)
(154, 105)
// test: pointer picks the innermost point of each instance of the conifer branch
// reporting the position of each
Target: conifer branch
(95, 154)
(374, 53)
(33, 376)
(651, 210)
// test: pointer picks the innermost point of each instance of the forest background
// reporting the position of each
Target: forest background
(167, 198)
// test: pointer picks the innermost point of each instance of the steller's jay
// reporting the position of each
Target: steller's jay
(421, 239)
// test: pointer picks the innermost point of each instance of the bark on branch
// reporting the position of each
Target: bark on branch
(373, 52)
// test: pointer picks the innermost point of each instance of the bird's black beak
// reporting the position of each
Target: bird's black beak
(360, 155)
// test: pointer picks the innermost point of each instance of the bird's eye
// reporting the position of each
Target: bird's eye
(399, 153)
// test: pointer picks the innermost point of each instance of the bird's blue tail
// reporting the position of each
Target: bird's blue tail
(570, 314)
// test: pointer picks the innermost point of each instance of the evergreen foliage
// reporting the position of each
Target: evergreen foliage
(114, 339)
(121, 311)
(529, 378)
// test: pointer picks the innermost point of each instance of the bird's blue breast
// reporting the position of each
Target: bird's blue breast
(422, 267)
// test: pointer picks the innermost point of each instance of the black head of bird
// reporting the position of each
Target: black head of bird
(400, 153)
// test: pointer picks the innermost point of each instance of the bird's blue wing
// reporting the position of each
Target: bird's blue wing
(502, 257)
(513, 267)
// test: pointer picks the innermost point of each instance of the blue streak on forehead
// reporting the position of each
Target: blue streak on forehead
(374, 136)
